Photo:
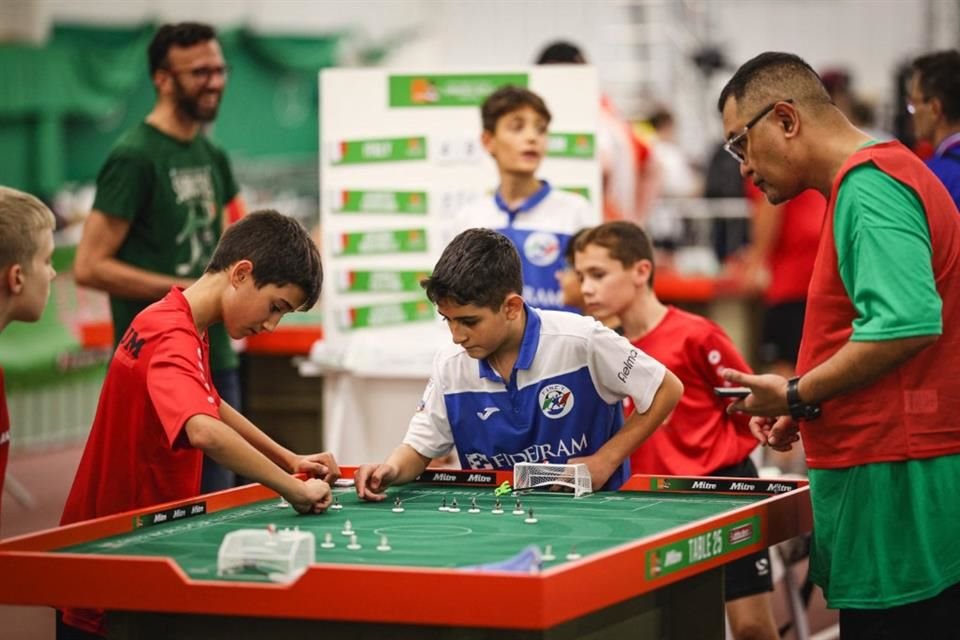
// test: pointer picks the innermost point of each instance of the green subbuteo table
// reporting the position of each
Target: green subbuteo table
(650, 566)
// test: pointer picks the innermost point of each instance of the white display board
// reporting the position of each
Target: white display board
(400, 154)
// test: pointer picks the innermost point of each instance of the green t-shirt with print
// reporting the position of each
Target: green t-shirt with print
(884, 533)
(173, 193)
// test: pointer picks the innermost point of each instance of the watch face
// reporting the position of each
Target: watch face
(805, 411)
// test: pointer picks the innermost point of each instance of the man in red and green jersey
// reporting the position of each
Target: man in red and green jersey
(879, 361)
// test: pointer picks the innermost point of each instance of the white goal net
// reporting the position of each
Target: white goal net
(550, 477)
(282, 555)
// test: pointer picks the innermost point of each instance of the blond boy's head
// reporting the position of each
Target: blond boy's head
(26, 250)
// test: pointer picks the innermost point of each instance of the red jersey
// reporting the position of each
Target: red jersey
(138, 454)
(795, 249)
(4, 434)
(908, 413)
(698, 437)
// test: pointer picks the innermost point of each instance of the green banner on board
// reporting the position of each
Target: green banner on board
(570, 145)
(379, 315)
(454, 90)
(380, 281)
(379, 150)
(377, 201)
(365, 243)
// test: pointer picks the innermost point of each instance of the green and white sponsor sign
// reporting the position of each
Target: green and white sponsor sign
(378, 201)
(366, 243)
(570, 145)
(379, 150)
(380, 281)
(448, 90)
(702, 547)
(381, 315)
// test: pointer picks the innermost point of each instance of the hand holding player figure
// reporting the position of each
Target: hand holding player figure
(372, 480)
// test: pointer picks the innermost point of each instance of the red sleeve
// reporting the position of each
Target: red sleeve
(718, 353)
(178, 381)
(235, 209)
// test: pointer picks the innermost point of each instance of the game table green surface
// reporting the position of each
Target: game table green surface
(651, 562)
(424, 536)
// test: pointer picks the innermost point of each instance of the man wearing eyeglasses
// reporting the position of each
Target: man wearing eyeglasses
(934, 104)
(162, 198)
(876, 398)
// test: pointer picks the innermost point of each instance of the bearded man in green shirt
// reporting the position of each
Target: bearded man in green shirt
(162, 199)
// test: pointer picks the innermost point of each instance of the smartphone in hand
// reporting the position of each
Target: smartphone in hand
(732, 392)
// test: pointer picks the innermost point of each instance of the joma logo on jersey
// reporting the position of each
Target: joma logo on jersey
(556, 401)
(132, 343)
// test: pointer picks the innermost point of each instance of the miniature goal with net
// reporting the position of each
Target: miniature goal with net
(282, 555)
(533, 476)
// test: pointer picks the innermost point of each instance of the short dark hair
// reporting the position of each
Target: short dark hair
(479, 267)
(774, 75)
(508, 99)
(281, 250)
(570, 250)
(626, 242)
(938, 75)
(661, 117)
(182, 34)
(561, 52)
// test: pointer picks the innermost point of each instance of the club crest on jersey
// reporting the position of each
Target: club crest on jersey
(541, 248)
(556, 401)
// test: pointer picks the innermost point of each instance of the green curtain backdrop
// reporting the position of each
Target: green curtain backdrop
(63, 105)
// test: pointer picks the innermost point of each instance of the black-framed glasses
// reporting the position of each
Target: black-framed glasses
(735, 145)
(203, 74)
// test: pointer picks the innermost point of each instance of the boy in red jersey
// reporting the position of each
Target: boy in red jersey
(26, 250)
(159, 411)
(614, 262)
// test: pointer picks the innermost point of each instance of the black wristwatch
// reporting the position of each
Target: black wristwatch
(800, 410)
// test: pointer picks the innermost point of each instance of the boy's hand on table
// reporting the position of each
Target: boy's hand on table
(314, 497)
(372, 480)
(599, 467)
